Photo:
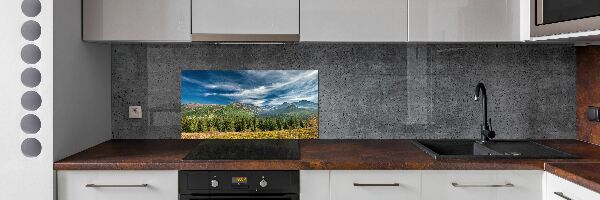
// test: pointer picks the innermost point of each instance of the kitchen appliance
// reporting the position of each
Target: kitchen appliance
(232, 185)
(245, 149)
(552, 17)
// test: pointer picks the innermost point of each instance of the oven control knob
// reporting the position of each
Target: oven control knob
(263, 183)
(214, 183)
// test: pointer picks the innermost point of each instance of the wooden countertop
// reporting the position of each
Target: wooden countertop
(584, 174)
(314, 154)
(331, 155)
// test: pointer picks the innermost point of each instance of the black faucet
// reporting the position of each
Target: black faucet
(486, 129)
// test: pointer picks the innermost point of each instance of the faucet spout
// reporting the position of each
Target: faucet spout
(486, 132)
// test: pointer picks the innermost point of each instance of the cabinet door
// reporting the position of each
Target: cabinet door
(314, 185)
(482, 185)
(375, 184)
(117, 185)
(266, 17)
(468, 20)
(136, 20)
(560, 189)
(354, 21)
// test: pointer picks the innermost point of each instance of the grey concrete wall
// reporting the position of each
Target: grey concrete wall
(369, 90)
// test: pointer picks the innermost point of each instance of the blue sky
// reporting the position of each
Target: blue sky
(257, 87)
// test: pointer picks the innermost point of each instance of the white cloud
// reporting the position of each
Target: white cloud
(256, 102)
(293, 79)
(257, 92)
(193, 81)
(223, 86)
(309, 94)
(295, 85)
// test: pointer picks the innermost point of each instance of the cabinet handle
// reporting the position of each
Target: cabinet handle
(376, 185)
(561, 195)
(491, 185)
(114, 186)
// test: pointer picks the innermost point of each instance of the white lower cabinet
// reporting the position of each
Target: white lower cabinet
(482, 185)
(117, 185)
(422, 184)
(341, 185)
(314, 184)
(560, 189)
(375, 185)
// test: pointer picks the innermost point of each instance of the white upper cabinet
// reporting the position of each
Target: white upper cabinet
(468, 20)
(136, 20)
(307, 20)
(354, 20)
(245, 20)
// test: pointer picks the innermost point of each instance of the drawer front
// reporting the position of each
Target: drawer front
(376, 185)
(117, 185)
(560, 189)
(482, 185)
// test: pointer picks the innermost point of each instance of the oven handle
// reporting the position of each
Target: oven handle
(285, 196)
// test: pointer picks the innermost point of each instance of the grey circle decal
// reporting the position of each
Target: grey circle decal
(31, 54)
(31, 147)
(31, 124)
(31, 8)
(31, 30)
(31, 77)
(31, 100)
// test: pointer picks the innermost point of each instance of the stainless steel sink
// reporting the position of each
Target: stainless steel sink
(471, 149)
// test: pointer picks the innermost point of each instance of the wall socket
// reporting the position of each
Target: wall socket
(593, 114)
(135, 112)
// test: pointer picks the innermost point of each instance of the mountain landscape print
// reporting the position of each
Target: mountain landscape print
(249, 104)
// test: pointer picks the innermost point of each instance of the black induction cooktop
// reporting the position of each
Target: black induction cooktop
(245, 149)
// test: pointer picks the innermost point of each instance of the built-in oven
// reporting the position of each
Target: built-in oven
(237, 185)
(552, 17)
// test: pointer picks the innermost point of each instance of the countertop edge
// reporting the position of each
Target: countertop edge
(572, 176)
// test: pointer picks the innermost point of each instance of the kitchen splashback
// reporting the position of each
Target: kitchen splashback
(368, 90)
(249, 104)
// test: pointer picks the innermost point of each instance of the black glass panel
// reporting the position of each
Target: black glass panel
(248, 197)
(251, 198)
(564, 10)
(245, 150)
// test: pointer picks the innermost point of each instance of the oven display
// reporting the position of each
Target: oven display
(239, 180)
